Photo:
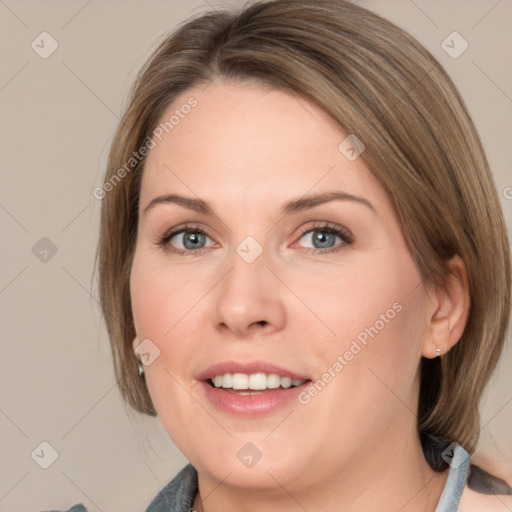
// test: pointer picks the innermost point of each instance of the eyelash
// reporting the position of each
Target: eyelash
(164, 240)
(344, 234)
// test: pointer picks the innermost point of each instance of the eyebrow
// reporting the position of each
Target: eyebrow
(295, 206)
(198, 205)
(306, 202)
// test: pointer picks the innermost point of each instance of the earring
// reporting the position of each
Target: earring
(438, 350)
(141, 371)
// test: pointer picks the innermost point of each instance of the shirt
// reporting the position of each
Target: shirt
(179, 494)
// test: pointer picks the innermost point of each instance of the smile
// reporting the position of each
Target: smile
(254, 381)
(251, 389)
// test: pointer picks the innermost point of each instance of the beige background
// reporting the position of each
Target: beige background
(57, 119)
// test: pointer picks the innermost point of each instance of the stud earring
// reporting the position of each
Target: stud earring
(136, 354)
(438, 350)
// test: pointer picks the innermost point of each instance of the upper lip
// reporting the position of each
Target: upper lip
(248, 367)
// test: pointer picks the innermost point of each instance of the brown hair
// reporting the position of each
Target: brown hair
(380, 84)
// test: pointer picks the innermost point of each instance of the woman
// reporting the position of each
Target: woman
(302, 244)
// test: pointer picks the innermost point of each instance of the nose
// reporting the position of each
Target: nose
(249, 300)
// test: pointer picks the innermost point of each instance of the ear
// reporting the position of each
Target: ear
(450, 311)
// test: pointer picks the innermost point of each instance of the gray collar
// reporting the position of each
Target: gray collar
(179, 494)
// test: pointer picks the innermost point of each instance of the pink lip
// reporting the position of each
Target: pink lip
(257, 404)
(250, 406)
(248, 368)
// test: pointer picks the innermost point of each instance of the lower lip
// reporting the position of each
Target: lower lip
(257, 404)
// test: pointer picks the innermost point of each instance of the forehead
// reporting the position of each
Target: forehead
(248, 142)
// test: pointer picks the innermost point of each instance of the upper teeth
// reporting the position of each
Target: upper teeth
(255, 381)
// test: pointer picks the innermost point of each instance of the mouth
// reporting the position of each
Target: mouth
(251, 389)
(254, 383)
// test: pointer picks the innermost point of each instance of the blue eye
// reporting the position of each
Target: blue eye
(190, 240)
(321, 239)
(326, 238)
(186, 240)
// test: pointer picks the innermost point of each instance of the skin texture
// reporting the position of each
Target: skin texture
(472, 501)
(247, 150)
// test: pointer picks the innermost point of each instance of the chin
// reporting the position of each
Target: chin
(249, 461)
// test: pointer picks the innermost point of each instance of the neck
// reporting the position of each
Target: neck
(387, 475)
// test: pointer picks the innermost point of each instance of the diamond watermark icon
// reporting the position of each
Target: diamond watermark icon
(351, 147)
(249, 249)
(44, 45)
(249, 455)
(44, 455)
(44, 250)
(454, 457)
(146, 352)
(454, 45)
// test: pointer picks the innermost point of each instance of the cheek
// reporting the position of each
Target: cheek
(167, 309)
(370, 377)
(159, 297)
(377, 314)
(162, 310)
(366, 297)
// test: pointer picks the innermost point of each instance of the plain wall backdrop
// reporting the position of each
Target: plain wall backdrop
(58, 114)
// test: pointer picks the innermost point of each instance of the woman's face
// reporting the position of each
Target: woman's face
(273, 254)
